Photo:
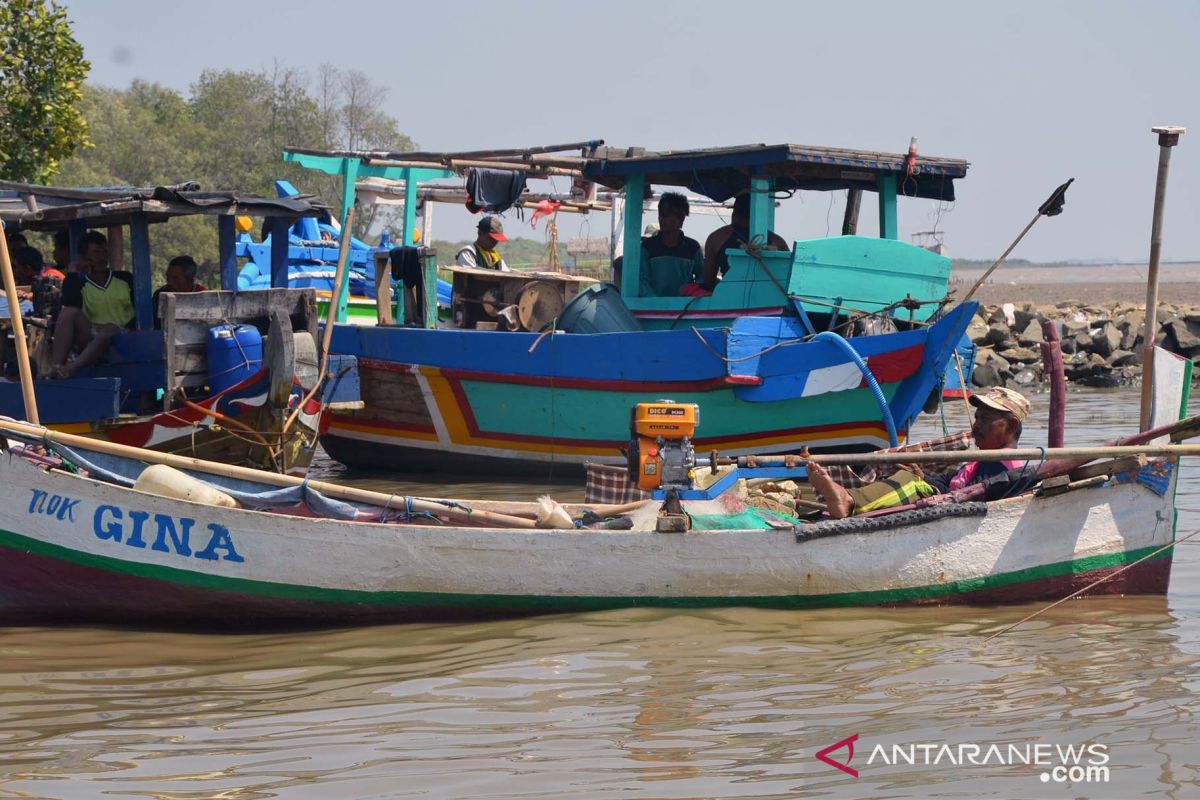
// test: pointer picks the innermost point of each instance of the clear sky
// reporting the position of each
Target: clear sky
(1030, 93)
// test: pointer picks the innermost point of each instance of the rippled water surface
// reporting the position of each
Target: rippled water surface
(640, 703)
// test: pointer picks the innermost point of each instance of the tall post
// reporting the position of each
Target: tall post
(278, 226)
(631, 263)
(850, 218)
(139, 257)
(1168, 137)
(888, 226)
(762, 207)
(341, 301)
(227, 251)
(18, 326)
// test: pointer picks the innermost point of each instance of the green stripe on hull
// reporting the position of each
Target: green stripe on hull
(485, 602)
(590, 414)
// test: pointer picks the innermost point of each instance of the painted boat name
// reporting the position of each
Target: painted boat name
(169, 534)
(109, 523)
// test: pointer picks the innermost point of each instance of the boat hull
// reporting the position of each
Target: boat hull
(101, 553)
(472, 401)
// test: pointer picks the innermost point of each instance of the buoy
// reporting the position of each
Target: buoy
(167, 481)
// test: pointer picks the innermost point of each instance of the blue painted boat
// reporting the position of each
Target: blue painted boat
(759, 354)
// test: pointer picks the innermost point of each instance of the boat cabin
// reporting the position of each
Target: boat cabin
(146, 369)
(818, 276)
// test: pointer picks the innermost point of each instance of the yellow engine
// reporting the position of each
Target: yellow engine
(660, 447)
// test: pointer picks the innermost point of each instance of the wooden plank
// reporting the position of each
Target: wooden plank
(383, 290)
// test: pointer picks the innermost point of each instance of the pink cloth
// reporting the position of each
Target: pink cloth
(963, 477)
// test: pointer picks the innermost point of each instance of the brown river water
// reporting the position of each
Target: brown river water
(642, 703)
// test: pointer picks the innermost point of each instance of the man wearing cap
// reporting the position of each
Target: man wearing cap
(483, 253)
(999, 415)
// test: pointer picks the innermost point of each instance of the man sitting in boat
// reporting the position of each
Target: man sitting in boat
(734, 235)
(97, 302)
(999, 415)
(670, 260)
(483, 253)
(181, 278)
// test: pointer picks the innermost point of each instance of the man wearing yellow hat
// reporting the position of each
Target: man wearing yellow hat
(999, 414)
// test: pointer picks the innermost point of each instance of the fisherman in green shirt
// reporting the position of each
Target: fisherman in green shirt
(670, 260)
(97, 302)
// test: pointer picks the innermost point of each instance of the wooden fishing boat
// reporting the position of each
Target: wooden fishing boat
(469, 399)
(80, 545)
(155, 387)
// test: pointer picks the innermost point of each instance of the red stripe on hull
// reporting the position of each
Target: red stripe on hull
(41, 590)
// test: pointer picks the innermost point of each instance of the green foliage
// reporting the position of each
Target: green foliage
(42, 70)
(227, 134)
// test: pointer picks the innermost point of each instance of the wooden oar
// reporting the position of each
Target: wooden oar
(349, 493)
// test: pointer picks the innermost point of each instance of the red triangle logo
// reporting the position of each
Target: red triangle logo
(845, 767)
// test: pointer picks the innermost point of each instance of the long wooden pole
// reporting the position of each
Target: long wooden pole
(1168, 137)
(1050, 208)
(956, 456)
(339, 280)
(263, 477)
(18, 326)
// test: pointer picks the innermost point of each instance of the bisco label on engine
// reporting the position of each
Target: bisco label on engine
(663, 411)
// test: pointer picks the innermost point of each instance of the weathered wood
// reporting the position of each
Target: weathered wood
(1052, 361)
(280, 357)
(1108, 468)
(850, 218)
(383, 290)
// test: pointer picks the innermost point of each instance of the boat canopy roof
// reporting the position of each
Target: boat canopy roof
(45, 207)
(723, 172)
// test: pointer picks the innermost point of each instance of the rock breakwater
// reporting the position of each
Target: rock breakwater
(1101, 342)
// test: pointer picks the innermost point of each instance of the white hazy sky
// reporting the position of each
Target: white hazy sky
(1030, 93)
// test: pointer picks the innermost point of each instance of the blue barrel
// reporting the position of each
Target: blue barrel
(234, 354)
(598, 309)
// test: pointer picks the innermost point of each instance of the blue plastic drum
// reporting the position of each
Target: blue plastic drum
(234, 354)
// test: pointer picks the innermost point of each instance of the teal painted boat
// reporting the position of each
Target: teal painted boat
(473, 399)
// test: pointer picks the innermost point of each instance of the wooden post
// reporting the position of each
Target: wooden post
(227, 251)
(139, 252)
(888, 225)
(430, 286)
(631, 264)
(279, 251)
(850, 218)
(116, 247)
(383, 290)
(76, 228)
(1168, 137)
(762, 207)
(1053, 361)
(18, 326)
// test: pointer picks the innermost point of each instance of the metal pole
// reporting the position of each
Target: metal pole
(1168, 137)
(18, 326)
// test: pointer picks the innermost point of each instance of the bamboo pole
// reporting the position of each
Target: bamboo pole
(349, 493)
(1050, 208)
(339, 280)
(1016, 454)
(18, 326)
(1168, 137)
